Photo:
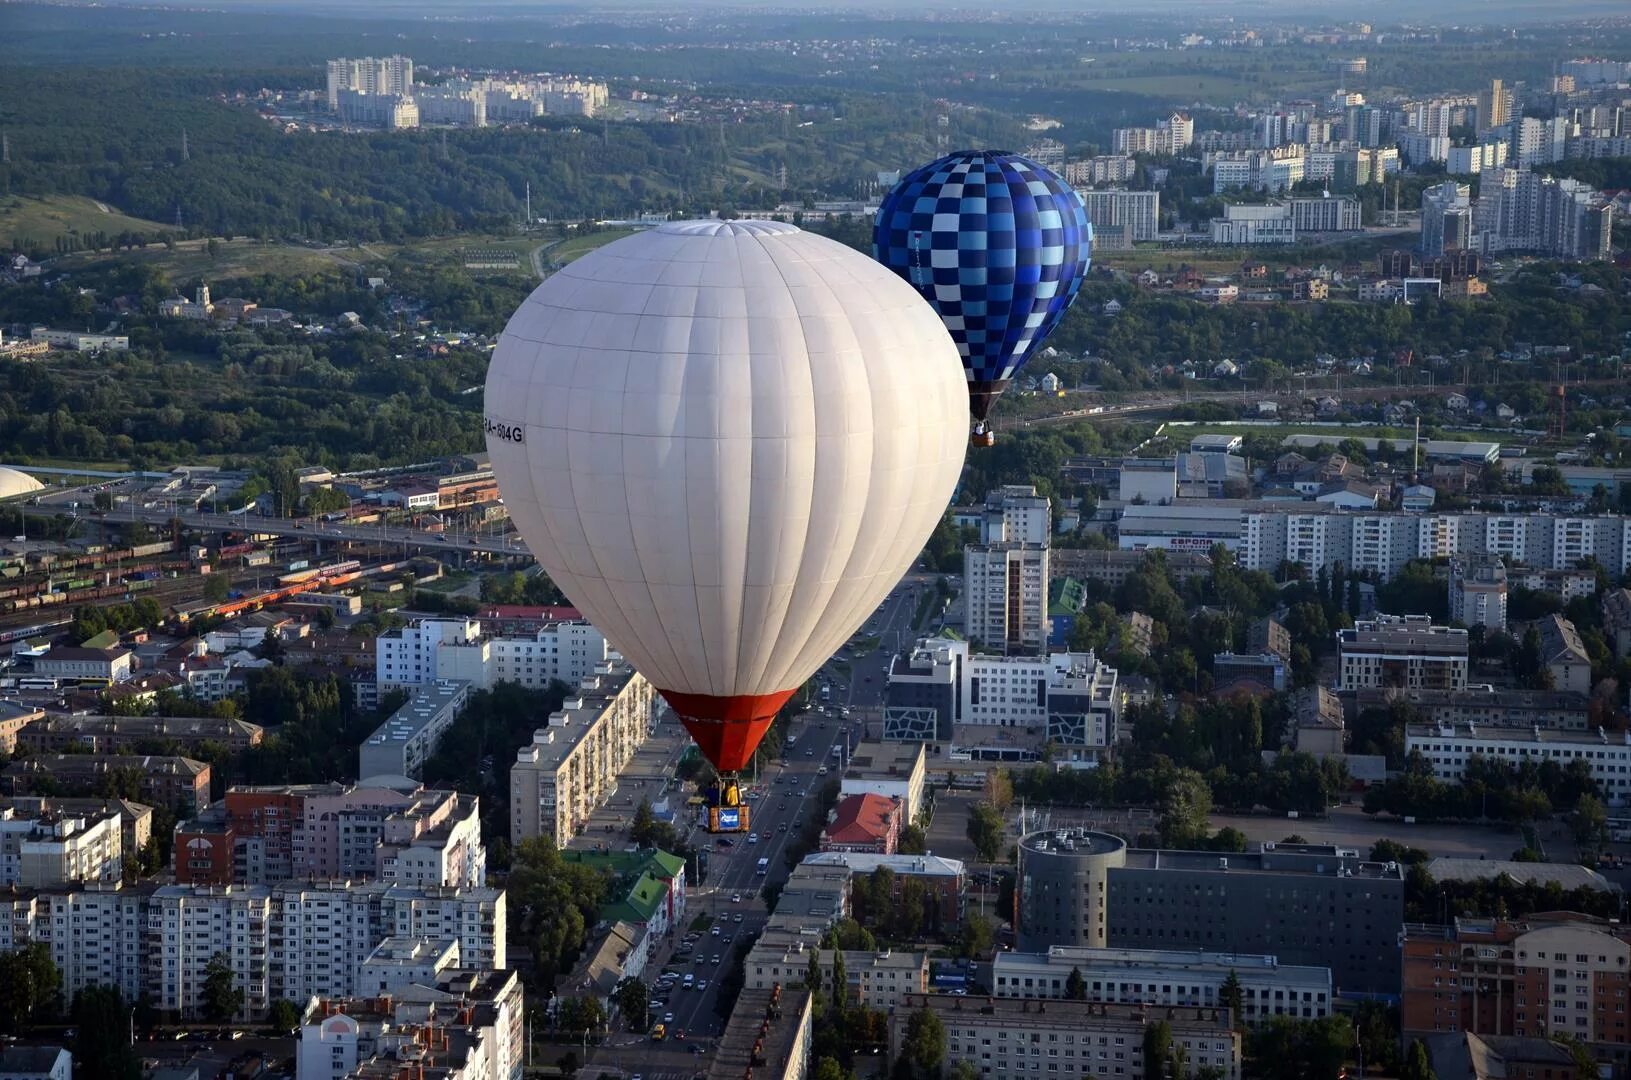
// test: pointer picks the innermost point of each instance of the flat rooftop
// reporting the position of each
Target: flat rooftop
(1542, 736)
(1071, 842)
(1159, 962)
(874, 760)
(771, 1019)
(1301, 860)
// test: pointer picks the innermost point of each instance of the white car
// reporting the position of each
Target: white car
(753, 838)
(736, 898)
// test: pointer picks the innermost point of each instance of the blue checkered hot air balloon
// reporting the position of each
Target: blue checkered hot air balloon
(999, 246)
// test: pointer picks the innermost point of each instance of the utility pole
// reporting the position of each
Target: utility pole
(529, 204)
(186, 155)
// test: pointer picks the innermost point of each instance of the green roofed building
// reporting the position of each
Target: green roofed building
(648, 887)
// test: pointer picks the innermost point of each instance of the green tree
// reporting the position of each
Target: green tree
(828, 1069)
(101, 1043)
(1590, 823)
(216, 587)
(1417, 1066)
(975, 937)
(29, 983)
(283, 1015)
(1186, 810)
(633, 1000)
(1157, 1049)
(924, 1045)
(913, 841)
(222, 997)
(1075, 985)
(985, 831)
(1232, 996)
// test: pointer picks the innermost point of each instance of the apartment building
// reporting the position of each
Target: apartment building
(1481, 705)
(1545, 975)
(1005, 576)
(565, 651)
(410, 735)
(1405, 651)
(164, 781)
(44, 849)
(1448, 749)
(1167, 977)
(121, 734)
(71, 663)
(1519, 210)
(877, 979)
(391, 75)
(464, 1024)
(1478, 591)
(1138, 212)
(1564, 654)
(891, 769)
(1445, 218)
(1006, 1037)
(944, 880)
(430, 650)
(264, 835)
(769, 1036)
(573, 762)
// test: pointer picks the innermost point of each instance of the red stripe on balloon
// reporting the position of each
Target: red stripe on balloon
(727, 727)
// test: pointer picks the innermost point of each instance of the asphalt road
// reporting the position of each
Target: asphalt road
(782, 799)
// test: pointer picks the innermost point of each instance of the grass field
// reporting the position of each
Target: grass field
(233, 258)
(41, 221)
(578, 246)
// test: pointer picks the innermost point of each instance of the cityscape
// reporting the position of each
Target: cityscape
(773, 542)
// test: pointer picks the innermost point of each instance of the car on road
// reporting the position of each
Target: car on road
(724, 842)
(738, 916)
(702, 984)
(753, 838)
(726, 940)
(715, 931)
(668, 1018)
(809, 753)
(736, 898)
(782, 827)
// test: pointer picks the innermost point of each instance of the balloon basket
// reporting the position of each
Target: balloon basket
(982, 439)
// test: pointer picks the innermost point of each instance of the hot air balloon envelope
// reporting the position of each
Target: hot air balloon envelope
(725, 442)
(998, 245)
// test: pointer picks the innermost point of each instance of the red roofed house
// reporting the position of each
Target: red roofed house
(869, 823)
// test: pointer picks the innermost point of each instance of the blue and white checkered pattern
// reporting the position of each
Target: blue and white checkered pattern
(996, 243)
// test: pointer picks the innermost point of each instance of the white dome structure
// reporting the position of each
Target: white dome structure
(13, 483)
(726, 442)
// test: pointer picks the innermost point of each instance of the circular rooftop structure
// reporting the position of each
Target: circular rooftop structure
(1062, 895)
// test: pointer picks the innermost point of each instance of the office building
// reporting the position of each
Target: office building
(1307, 904)
(177, 782)
(73, 664)
(1168, 978)
(1447, 749)
(469, 1021)
(389, 75)
(894, 770)
(1445, 218)
(1072, 697)
(1005, 576)
(1005, 1037)
(1406, 651)
(573, 762)
(1250, 224)
(1062, 893)
(410, 735)
(1139, 212)
(1478, 592)
(768, 1036)
(1546, 974)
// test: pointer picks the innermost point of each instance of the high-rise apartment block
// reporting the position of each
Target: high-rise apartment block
(1445, 217)
(1138, 212)
(572, 763)
(381, 76)
(282, 941)
(1522, 211)
(1494, 106)
(1005, 576)
(565, 649)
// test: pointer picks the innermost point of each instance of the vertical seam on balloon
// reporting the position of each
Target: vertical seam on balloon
(809, 518)
(685, 444)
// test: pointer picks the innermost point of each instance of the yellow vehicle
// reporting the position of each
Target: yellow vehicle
(659, 1033)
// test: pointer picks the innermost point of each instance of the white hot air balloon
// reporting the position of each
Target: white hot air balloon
(726, 442)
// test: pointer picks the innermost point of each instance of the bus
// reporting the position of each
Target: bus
(764, 867)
